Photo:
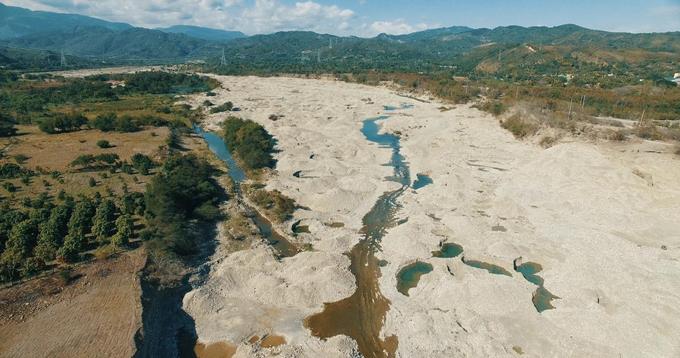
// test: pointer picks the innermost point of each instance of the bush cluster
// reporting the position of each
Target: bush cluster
(250, 142)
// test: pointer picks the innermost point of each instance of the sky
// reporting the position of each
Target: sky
(368, 18)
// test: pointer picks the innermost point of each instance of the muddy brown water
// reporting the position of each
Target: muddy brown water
(361, 316)
(215, 350)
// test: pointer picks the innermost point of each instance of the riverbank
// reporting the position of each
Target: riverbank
(598, 217)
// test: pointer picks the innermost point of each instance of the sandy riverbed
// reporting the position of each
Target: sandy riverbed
(603, 220)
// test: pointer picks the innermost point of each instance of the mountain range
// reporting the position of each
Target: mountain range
(94, 40)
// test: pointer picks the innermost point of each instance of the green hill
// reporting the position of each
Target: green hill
(130, 44)
(16, 22)
(204, 33)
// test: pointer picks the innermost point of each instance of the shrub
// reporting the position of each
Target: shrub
(160, 82)
(65, 276)
(548, 141)
(60, 123)
(11, 188)
(103, 143)
(142, 163)
(278, 205)
(126, 168)
(13, 171)
(519, 127)
(20, 158)
(648, 131)
(250, 141)
(95, 161)
(494, 107)
(126, 124)
(32, 266)
(105, 252)
(7, 125)
(618, 136)
(226, 107)
(105, 122)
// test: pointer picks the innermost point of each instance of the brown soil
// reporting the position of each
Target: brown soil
(94, 315)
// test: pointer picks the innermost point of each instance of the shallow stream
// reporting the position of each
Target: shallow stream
(361, 316)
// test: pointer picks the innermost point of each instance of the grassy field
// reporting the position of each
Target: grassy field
(48, 153)
(136, 106)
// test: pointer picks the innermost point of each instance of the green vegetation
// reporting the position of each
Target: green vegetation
(7, 125)
(250, 142)
(178, 197)
(13, 171)
(103, 143)
(519, 126)
(124, 231)
(103, 222)
(99, 161)
(226, 107)
(33, 237)
(61, 123)
(274, 203)
(142, 163)
(60, 104)
(39, 232)
(159, 82)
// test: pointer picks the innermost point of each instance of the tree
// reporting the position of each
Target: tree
(9, 218)
(53, 231)
(105, 122)
(49, 241)
(61, 122)
(73, 245)
(173, 198)
(126, 124)
(142, 163)
(81, 219)
(7, 125)
(250, 141)
(102, 224)
(124, 230)
(21, 241)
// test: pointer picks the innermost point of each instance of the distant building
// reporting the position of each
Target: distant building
(115, 84)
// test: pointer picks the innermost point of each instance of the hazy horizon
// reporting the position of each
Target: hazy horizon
(367, 18)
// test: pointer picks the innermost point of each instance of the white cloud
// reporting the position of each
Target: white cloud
(270, 16)
(260, 16)
(397, 27)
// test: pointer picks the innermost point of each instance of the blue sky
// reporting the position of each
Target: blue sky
(370, 17)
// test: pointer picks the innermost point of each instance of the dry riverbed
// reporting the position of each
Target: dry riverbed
(601, 220)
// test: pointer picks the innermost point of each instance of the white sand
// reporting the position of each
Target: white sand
(594, 216)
